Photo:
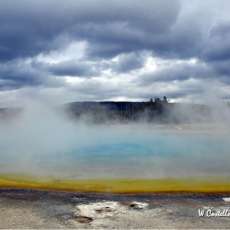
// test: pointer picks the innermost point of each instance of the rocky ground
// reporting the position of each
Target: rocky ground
(36, 209)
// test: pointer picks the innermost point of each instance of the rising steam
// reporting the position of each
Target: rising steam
(44, 140)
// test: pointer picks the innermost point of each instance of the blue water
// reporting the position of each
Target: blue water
(123, 151)
(157, 145)
(156, 155)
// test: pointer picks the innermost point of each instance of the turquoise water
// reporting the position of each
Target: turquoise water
(120, 152)
(153, 154)
(156, 145)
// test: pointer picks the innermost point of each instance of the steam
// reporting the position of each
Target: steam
(45, 141)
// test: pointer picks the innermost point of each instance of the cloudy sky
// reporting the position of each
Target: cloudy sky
(72, 50)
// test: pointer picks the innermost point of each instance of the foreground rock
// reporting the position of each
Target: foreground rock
(21, 209)
(138, 205)
(99, 209)
(103, 214)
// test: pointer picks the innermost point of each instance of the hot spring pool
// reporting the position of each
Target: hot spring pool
(119, 151)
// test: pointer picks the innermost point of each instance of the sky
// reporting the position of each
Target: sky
(62, 51)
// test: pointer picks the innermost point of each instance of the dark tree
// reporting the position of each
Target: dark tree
(165, 99)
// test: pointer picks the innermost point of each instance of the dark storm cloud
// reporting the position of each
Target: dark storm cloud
(217, 47)
(23, 30)
(128, 62)
(111, 39)
(69, 68)
(217, 50)
(15, 75)
(111, 27)
(29, 27)
(121, 30)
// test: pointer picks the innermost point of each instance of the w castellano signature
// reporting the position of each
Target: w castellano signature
(214, 212)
